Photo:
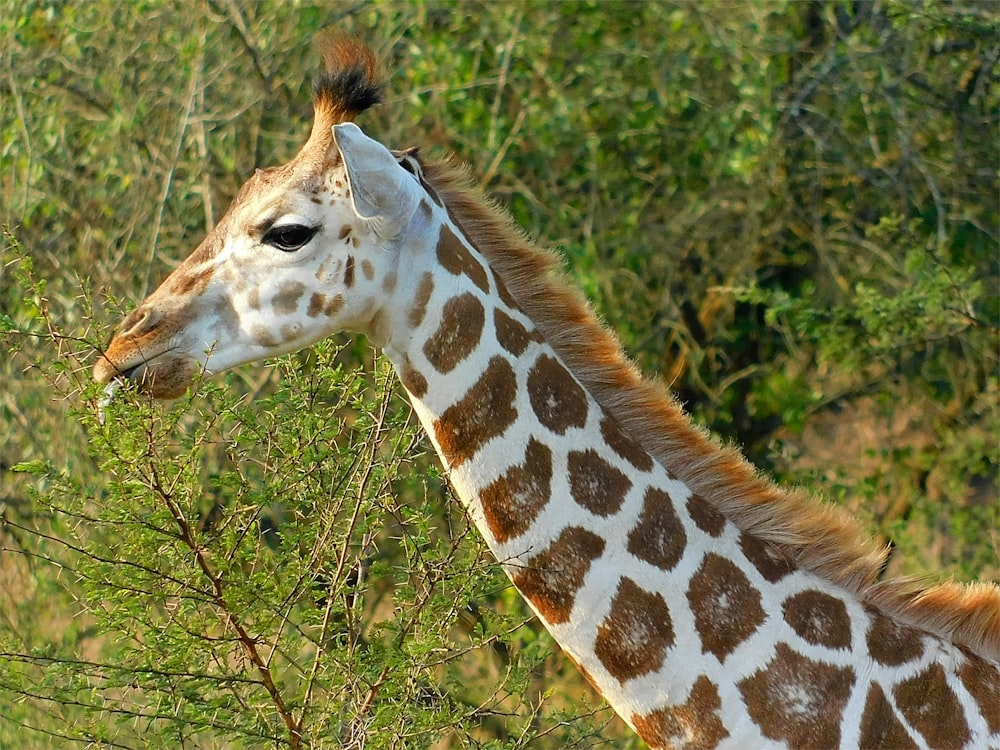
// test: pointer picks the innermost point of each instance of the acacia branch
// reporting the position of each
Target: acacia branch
(247, 642)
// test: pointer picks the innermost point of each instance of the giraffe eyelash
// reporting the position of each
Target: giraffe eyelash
(289, 237)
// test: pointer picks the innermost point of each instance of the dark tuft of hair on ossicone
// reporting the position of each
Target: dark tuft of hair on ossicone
(350, 82)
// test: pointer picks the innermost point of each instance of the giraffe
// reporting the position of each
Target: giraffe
(708, 606)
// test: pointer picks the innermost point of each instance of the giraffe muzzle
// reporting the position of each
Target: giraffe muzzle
(108, 368)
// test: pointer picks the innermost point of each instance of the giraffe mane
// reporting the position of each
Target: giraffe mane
(817, 536)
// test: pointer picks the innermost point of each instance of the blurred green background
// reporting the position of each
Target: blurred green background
(788, 210)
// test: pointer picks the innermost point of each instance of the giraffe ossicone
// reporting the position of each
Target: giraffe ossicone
(708, 606)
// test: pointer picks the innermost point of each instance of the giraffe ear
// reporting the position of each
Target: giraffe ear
(382, 192)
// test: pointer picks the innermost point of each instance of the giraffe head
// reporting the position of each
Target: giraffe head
(305, 250)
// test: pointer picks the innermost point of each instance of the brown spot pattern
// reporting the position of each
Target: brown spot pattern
(334, 305)
(432, 193)
(389, 282)
(349, 272)
(456, 257)
(513, 336)
(512, 503)
(818, 618)
(412, 379)
(485, 411)
(458, 334)
(798, 700)
(345, 230)
(558, 400)
(595, 484)
(286, 299)
(694, 724)
(263, 336)
(658, 537)
(983, 683)
(505, 295)
(552, 577)
(879, 725)
(623, 444)
(320, 274)
(766, 557)
(634, 637)
(726, 607)
(185, 283)
(705, 517)
(929, 705)
(419, 307)
(890, 642)
(316, 303)
(367, 269)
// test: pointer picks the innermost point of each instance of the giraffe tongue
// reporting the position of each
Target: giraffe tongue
(109, 393)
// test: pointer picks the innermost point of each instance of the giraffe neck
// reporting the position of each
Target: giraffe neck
(694, 630)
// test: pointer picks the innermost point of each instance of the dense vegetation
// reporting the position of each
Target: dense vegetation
(788, 210)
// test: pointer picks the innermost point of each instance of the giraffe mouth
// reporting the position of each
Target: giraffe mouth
(128, 373)
(115, 379)
(164, 375)
(107, 370)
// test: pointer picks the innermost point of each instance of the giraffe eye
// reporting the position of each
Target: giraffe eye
(289, 237)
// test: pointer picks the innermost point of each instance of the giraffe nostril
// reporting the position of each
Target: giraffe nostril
(140, 321)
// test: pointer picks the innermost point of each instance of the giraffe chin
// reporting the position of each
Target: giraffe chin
(167, 378)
